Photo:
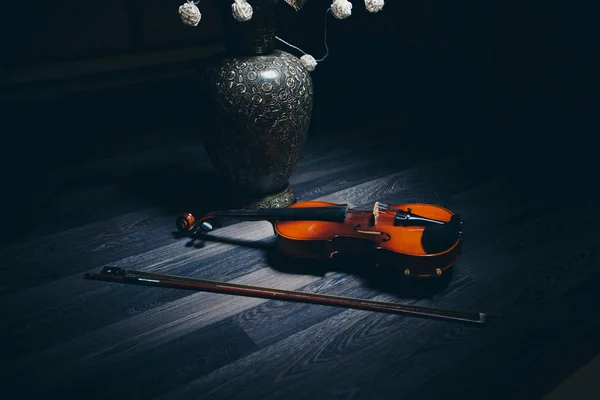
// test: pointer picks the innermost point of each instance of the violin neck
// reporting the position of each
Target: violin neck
(335, 213)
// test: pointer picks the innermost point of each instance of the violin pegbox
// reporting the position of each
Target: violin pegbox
(187, 223)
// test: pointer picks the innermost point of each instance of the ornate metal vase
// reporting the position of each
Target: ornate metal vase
(261, 102)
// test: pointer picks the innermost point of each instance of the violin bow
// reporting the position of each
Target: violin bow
(124, 275)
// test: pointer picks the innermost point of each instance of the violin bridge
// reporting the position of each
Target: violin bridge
(376, 213)
(377, 209)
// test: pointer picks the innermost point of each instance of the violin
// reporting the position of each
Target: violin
(422, 239)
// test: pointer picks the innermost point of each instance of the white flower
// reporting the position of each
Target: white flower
(341, 9)
(242, 11)
(309, 62)
(374, 5)
(189, 13)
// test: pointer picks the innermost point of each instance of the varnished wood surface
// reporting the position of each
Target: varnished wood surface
(531, 259)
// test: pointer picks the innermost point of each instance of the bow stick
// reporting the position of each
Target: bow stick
(123, 275)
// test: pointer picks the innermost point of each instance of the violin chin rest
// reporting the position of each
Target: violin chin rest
(438, 238)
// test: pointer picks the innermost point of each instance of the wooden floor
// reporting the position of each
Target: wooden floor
(531, 260)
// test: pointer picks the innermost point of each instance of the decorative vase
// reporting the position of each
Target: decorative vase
(261, 102)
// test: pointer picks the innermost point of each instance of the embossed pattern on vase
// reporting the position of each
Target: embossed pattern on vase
(263, 109)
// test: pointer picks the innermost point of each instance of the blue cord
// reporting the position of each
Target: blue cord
(325, 36)
(291, 45)
(324, 40)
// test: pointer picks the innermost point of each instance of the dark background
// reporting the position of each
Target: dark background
(513, 81)
(509, 87)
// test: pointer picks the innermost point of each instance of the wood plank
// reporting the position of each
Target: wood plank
(88, 320)
(141, 332)
(581, 339)
(78, 249)
(84, 306)
(276, 320)
(556, 305)
(98, 305)
(100, 189)
(328, 351)
(93, 245)
(101, 242)
(521, 289)
(522, 261)
(174, 261)
(174, 256)
(582, 385)
(301, 357)
(191, 356)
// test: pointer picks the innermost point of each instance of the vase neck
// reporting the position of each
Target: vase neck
(253, 37)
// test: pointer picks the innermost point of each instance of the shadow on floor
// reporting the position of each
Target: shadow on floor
(382, 279)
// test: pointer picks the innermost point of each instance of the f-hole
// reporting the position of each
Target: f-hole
(384, 236)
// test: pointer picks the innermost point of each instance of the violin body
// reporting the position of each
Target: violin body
(421, 239)
(389, 245)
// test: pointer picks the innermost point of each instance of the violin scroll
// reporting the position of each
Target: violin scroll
(186, 222)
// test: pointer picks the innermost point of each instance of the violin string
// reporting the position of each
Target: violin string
(324, 39)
